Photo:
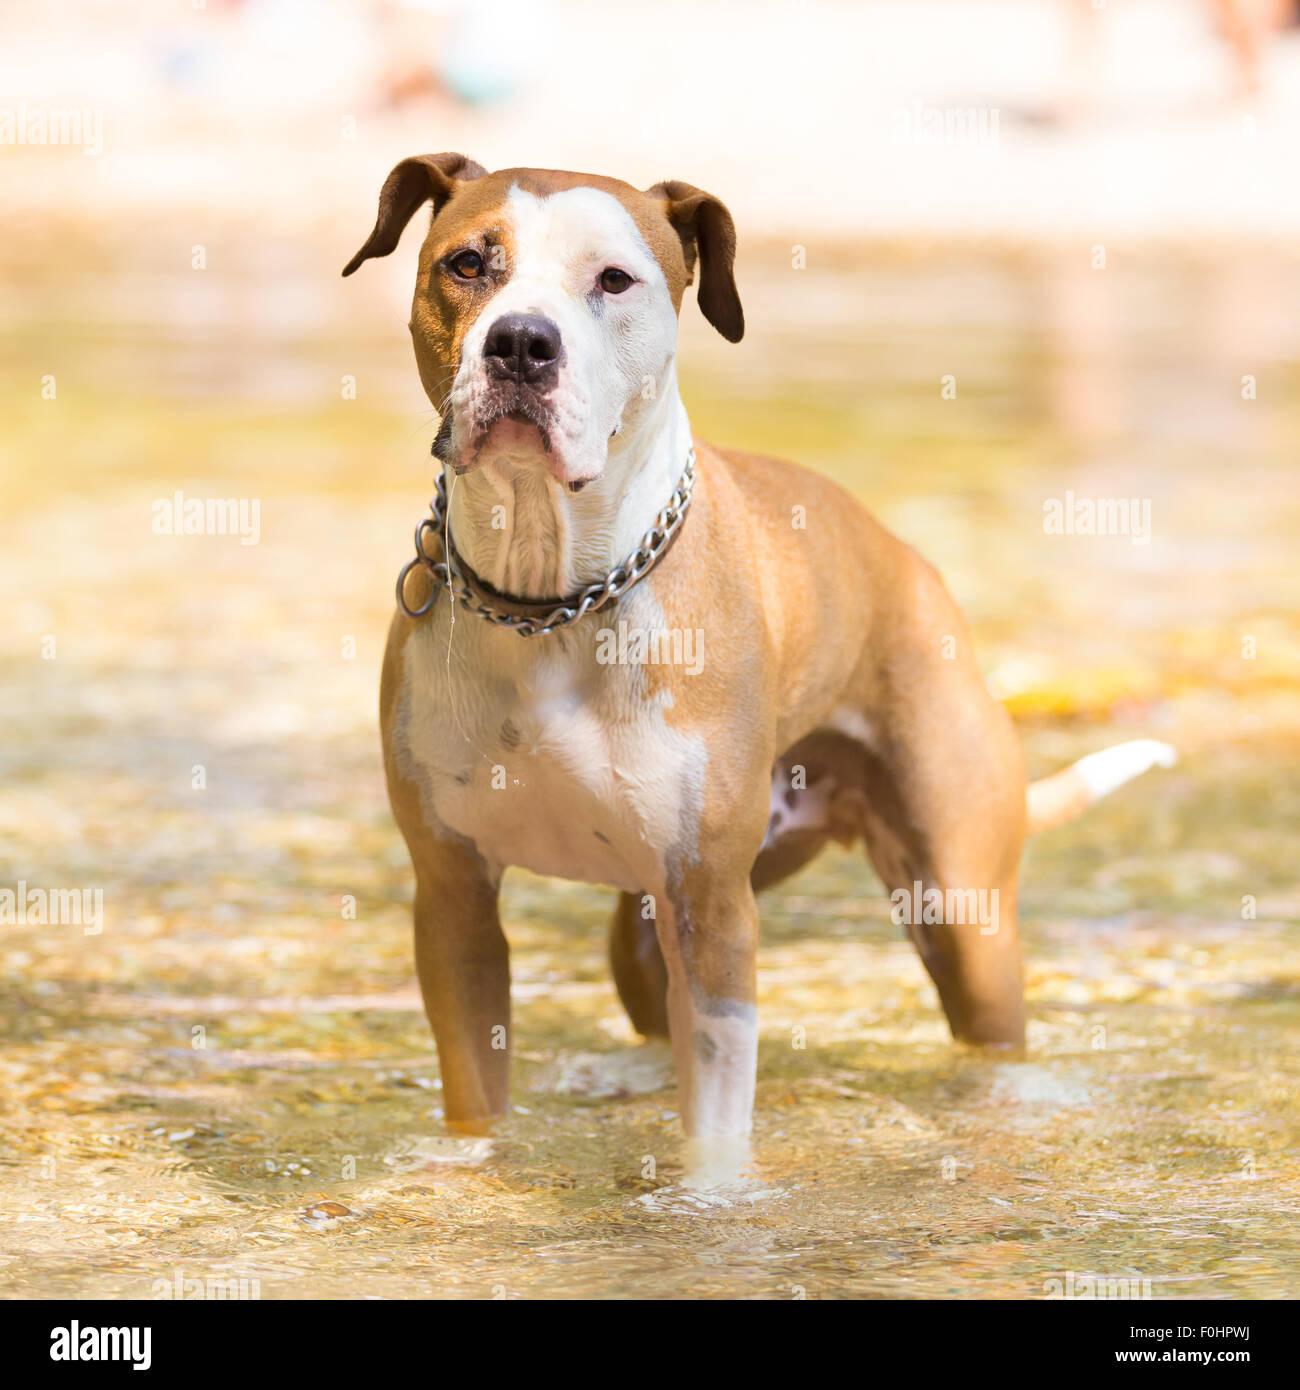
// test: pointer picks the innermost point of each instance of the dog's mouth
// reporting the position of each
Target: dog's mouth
(518, 431)
(515, 427)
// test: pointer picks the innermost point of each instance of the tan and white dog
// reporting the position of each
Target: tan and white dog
(832, 692)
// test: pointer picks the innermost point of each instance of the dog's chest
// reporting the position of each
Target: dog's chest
(543, 757)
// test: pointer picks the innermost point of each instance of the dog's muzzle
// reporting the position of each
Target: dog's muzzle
(519, 368)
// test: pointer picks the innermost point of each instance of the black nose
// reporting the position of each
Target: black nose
(525, 347)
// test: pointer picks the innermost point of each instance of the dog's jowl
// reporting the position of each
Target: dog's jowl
(828, 689)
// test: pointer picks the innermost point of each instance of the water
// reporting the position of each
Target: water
(234, 1079)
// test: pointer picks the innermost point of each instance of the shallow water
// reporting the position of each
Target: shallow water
(234, 1079)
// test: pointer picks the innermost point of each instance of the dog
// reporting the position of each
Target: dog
(833, 693)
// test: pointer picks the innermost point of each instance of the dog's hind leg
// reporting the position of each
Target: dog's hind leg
(943, 782)
(944, 831)
(951, 873)
(639, 969)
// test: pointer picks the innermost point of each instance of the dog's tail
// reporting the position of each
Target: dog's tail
(1062, 796)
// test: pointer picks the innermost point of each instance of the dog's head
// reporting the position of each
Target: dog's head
(545, 312)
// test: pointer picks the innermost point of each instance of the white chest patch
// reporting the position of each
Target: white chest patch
(543, 757)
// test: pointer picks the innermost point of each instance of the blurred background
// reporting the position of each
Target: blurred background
(994, 254)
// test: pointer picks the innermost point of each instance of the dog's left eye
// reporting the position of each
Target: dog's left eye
(614, 281)
(468, 265)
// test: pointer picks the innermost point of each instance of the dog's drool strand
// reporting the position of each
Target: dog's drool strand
(451, 630)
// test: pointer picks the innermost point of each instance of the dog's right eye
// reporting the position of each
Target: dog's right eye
(468, 265)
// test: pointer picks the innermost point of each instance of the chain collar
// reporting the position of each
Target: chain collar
(533, 617)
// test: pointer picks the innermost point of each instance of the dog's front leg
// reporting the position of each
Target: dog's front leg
(708, 932)
(463, 962)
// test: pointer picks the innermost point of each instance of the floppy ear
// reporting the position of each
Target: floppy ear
(704, 224)
(413, 182)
